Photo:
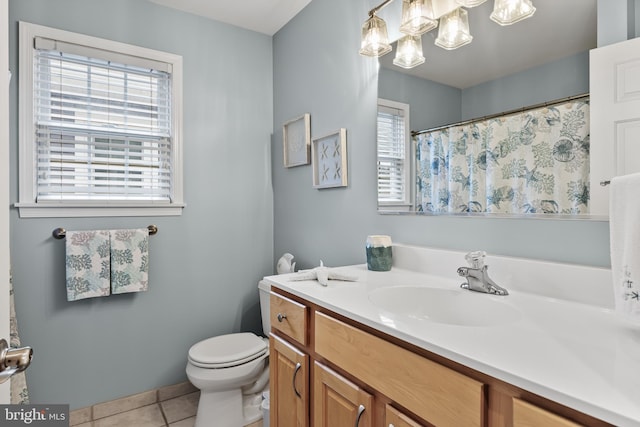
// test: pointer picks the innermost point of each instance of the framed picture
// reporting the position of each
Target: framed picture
(296, 138)
(329, 158)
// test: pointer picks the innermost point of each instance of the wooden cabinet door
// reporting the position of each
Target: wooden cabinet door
(289, 385)
(435, 393)
(527, 415)
(338, 402)
(395, 418)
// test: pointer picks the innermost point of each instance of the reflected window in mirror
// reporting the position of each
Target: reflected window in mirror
(394, 156)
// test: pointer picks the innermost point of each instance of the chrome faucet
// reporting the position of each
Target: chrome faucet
(477, 277)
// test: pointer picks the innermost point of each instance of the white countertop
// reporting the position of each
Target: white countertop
(582, 356)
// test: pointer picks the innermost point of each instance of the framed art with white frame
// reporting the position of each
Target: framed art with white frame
(296, 138)
(329, 159)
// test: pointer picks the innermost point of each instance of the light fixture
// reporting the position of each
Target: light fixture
(454, 30)
(421, 16)
(375, 41)
(417, 17)
(507, 12)
(470, 3)
(409, 52)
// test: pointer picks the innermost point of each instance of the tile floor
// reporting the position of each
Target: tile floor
(172, 406)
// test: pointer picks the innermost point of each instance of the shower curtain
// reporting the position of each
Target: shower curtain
(534, 161)
(18, 390)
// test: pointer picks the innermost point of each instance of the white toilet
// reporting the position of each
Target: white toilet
(231, 372)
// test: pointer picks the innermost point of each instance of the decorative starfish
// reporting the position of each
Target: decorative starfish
(322, 274)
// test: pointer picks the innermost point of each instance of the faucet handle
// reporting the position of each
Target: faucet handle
(476, 259)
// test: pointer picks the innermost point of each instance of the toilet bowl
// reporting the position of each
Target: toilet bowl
(231, 372)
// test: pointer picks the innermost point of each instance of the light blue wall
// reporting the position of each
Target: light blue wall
(432, 104)
(617, 21)
(636, 8)
(558, 79)
(320, 72)
(204, 265)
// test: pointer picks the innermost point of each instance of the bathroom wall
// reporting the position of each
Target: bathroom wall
(320, 72)
(434, 104)
(636, 8)
(205, 264)
(618, 20)
(570, 76)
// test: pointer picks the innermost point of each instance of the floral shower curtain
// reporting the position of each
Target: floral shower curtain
(535, 161)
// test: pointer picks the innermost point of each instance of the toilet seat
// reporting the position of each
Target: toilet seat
(226, 351)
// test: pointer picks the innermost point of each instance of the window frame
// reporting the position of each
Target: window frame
(28, 206)
(407, 203)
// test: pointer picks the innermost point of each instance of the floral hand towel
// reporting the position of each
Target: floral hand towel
(87, 261)
(129, 260)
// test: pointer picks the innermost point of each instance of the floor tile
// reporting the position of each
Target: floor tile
(147, 416)
(124, 404)
(181, 407)
(189, 422)
(169, 392)
(80, 416)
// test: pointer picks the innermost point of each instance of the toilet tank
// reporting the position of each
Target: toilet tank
(264, 288)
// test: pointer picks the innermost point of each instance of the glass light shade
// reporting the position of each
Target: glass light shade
(507, 12)
(454, 30)
(409, 52)
(470, 3)
(375, 41)
(417, 17)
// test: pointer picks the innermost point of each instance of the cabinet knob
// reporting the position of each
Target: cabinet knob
(360, 412)
(281, 317)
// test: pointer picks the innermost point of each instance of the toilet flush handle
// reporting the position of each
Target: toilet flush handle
(281, 317)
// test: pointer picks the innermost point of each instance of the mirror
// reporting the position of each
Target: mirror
(534, 62)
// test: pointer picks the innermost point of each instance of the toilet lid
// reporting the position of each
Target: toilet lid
(227, 350)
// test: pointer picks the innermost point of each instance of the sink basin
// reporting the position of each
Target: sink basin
(451, 306)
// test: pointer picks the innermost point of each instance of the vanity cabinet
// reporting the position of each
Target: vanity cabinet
(289, 377)
(395, 418)
(289, 317)
(330, 371)
(528, 415)
(289, 365)
(338, 402)
(439, 395)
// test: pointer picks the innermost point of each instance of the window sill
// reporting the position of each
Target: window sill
(394, 207)
(54, 210)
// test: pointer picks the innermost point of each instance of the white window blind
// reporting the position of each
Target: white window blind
(102, 127)
(392, 155)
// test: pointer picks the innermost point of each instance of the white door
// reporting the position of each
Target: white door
(4, 182)
(614, 84)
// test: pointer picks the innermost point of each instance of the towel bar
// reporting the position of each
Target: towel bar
(60, 233)
(605, 183)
